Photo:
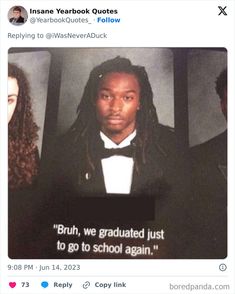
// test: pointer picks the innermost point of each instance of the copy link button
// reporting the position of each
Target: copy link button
(86, 285)
(109, 285)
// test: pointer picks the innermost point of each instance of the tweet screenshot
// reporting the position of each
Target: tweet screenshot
(117, 154)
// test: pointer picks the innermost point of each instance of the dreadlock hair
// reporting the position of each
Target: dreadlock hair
(146, 121)
(221, 84)
(22, 135)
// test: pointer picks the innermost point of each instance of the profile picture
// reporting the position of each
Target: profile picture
(17, 15)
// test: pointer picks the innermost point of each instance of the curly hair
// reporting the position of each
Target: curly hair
(221, 84)
(23, 156)
(146, 121)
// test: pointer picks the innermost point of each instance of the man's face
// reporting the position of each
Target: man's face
(16, 14)
(117, 103)
(13, 91)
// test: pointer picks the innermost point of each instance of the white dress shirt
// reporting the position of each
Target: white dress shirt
(117, 169)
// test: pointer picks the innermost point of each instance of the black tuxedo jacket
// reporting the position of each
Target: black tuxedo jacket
(153, 178)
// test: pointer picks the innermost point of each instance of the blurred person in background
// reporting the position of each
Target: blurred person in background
(209, 185)
(23, 157)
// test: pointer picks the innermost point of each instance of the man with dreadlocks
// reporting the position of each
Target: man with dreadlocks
(117, 165)
(116, 145)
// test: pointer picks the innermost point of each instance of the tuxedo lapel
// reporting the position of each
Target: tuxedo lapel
(149, 179)
(95, 183)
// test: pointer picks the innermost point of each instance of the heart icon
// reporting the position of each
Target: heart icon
(44, 284)
(12, 284)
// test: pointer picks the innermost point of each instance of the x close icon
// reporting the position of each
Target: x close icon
(222, 10)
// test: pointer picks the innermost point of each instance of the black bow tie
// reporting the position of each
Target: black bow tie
(125, 151)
